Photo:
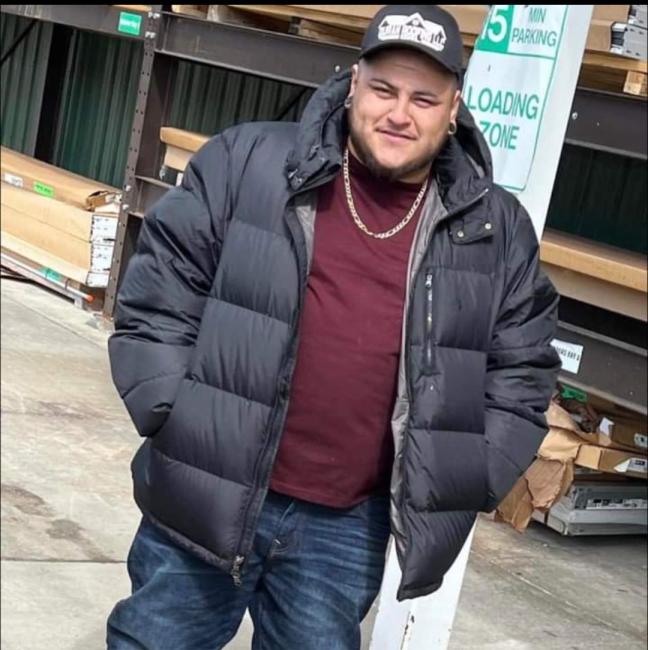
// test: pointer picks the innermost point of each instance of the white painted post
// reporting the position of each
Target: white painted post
(423, 622)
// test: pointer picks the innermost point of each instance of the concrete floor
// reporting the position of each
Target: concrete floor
(68, 517)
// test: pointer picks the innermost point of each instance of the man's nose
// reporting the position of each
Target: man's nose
(399, 115)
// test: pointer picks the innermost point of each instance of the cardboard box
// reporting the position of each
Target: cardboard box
(599, 36)
(629, 433)
(545, 482)
(82, 224)
(49, 264)
(90, 256)
(613, 460)
(614, 13)
(51, 182)
(621, 427)
(563, 451)
(618, 428)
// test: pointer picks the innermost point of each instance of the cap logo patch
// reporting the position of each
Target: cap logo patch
(412, 28)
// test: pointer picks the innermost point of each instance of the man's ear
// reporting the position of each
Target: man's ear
(355, 70)
(454, 111)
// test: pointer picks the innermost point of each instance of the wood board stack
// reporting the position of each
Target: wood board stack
(60, 225)
(596, 274)
(602, 68)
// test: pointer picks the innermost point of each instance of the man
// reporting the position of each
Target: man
(333, 331)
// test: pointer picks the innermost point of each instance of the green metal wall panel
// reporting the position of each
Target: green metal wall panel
(22, 80)
(97, 106)
(208, 100)
(601, 196)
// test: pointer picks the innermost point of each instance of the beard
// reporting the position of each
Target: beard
(389, 174)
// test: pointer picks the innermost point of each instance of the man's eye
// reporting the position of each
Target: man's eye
(382, 92)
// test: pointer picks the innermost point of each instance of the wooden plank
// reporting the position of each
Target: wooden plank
(176, 158)
(609, 60)
(470, 18)
(635, 83)
(42, 258)
(95, 293)
(138, 8)
(233, 16)
(328, 33)
(54, 182)
(199, 11)
(188, 140)
(304, 11)
(597, 292)
(85, 255)
(607, 263)
(69, 219)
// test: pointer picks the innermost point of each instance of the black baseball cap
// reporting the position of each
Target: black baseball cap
(426, 28)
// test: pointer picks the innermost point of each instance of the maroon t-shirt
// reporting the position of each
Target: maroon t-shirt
(337, 447)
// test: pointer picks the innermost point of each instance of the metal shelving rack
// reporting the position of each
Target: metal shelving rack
(105, 19)
(610, 368)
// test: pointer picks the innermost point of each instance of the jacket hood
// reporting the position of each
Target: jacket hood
(463, 166)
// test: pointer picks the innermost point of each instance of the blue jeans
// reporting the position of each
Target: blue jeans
(309, 581)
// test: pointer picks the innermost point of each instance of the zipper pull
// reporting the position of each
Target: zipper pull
(236, 570)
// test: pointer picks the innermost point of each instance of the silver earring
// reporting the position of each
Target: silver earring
(347, 102)
(452, 129)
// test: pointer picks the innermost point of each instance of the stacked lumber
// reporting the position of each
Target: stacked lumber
(603, 68)
(60, 225)
(596, 274)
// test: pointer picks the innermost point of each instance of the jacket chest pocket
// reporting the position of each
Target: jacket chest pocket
(470, 231)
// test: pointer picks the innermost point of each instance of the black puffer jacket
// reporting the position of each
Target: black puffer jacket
(206, 333)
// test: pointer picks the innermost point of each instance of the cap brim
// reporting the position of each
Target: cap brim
(379, 47)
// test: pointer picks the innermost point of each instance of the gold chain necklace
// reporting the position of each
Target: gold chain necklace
(392, 231)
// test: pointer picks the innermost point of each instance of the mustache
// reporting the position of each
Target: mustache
(381, 172)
